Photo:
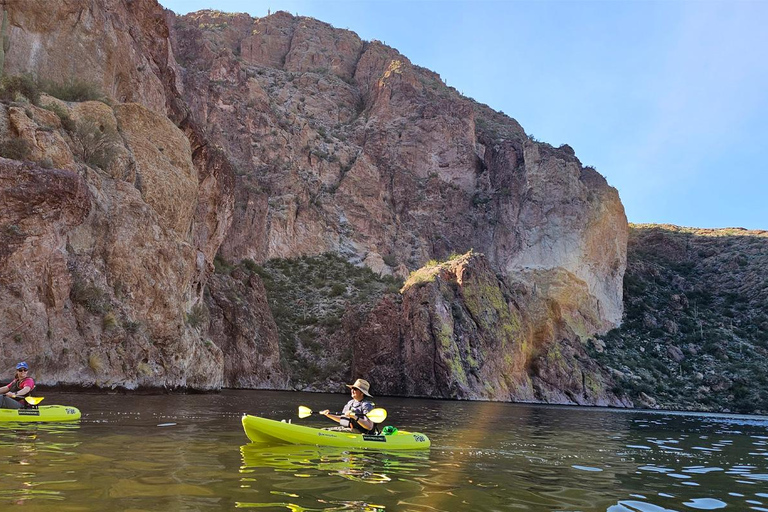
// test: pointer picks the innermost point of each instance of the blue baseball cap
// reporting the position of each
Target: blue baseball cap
(22, 366)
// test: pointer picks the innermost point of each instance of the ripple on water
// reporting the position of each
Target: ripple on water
(585, 468)
(636, 506)
(701, 469)
(655, 469)
(705, 504)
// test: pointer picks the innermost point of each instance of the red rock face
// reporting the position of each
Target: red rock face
(137, 265)
(39, 206)
(346, 146)
(281, 137)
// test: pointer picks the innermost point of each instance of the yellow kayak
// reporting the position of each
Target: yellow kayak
(262, 430)
(43, 413)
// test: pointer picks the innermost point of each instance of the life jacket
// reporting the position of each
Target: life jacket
(16, 386)
(357, 426)
(362, 429)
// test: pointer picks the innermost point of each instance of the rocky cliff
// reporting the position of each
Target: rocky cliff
(345, 146)
(223, 143)
(462, 331)
(695, 332)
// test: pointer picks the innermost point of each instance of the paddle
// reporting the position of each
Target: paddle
(376, 415)
(34, 400)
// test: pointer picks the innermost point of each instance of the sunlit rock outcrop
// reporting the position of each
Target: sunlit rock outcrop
(463, 332)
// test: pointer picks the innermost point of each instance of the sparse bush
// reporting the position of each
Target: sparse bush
(95, 145)
(197, 316)
(13, 230)
(73, 90)
(15, 149)
(221, 266)
(66, 121)
(390, 260)
(19, 85)
(109, 321)
(89, 296)
(131, 326)
(251, 265)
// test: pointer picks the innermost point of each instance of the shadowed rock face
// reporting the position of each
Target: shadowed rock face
(282, 137)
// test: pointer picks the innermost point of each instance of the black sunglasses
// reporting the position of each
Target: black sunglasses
(22, 370)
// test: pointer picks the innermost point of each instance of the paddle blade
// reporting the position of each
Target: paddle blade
(304, 411)
(377, 415)
(33, 400)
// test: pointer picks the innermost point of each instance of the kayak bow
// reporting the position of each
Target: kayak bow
(262, 430)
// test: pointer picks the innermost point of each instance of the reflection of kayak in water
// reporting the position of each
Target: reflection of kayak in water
(373, 467)
(262, 430)
(41, 414)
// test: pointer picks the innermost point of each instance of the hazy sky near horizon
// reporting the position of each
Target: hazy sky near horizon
(666, 99)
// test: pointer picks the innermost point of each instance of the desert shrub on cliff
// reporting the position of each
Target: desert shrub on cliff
(93, 144)
(89, 296)
(197, 316)
(67, 122)
(15, 149)
(73, 90)
(694, 334)
(309, 298)
(11, 87)
(429, 271)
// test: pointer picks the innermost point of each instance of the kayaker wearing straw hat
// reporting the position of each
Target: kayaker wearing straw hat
(353, 416)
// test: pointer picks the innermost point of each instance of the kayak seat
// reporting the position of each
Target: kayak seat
(339, 429)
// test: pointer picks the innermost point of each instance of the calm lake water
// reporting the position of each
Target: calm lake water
(189, 453)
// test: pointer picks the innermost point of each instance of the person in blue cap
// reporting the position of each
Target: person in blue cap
(21, 386)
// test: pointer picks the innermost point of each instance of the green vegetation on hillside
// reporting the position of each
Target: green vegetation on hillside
(308, 297)
(20, 87)
(430, 270)
(695, 329)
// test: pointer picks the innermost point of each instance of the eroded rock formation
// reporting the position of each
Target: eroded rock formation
(462, 331)
(314, 141)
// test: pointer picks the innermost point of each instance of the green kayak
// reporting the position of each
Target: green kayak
(44, 413)
(262, 430)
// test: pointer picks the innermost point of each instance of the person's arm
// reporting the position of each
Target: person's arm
(4, 390)
(343, 418)
(22, 392)
(334, 417)
(363, 421)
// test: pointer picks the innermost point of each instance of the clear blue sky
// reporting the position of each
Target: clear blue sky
(667, 99)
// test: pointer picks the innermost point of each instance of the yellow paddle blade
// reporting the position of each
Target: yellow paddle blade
(304, 411)
(377, 415)
(34, 400)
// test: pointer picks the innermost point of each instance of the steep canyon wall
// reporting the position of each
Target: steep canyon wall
(282, 137)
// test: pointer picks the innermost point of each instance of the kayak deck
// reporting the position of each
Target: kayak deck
(262, 430)
(43, 413)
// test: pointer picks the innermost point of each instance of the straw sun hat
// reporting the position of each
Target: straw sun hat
(362, 385)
